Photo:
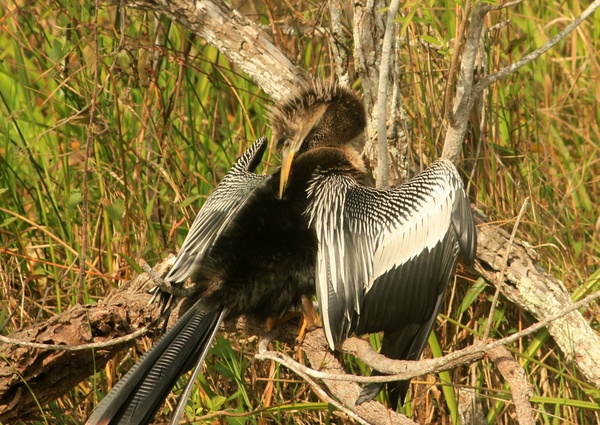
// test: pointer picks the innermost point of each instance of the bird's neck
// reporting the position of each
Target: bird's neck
(324, 160)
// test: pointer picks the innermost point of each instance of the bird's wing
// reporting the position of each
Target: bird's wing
(390, 244)
(220, 208)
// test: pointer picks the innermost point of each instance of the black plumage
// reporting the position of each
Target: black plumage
(252, 253)
(385, 256)
(378, 260)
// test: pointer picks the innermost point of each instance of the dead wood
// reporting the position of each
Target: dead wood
(50, 373)
(30, 375)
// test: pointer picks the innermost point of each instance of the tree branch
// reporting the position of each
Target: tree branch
(382, 96)
(530, 57)
(515, 375)
(466, 93)
(37, 366)
(237, 37)
(464, 98)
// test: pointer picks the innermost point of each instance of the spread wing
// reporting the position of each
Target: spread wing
(220, 208)
(386, 255)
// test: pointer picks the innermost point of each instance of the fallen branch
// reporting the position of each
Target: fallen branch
(236, 36)
(39, 361)
(515, 375)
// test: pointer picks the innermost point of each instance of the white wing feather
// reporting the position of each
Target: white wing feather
(364, 233)
(220, 208)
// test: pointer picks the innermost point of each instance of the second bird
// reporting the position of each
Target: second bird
(378, 260)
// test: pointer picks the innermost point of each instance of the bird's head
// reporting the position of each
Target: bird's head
(320, 115)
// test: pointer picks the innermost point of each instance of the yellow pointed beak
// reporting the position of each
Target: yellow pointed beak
(287, 156)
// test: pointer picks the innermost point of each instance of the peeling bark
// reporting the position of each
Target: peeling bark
(29, 376)
(532, 288)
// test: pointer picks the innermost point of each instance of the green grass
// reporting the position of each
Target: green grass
(172, 113)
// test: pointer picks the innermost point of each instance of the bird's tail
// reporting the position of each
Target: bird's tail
(136, 398)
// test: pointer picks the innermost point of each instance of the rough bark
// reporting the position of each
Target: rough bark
(368, 30)
(515, 375)
(532, 288)
(320, 358)
(29, 376)
(237, 37)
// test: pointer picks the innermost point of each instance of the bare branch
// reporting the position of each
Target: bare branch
(521, 389)
(464, 99)
(466, 93)
(507, 5)
(264, 354)
(403, 369)
(80, 347)
(528, 58)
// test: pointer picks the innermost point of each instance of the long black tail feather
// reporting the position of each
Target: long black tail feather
(136, 398)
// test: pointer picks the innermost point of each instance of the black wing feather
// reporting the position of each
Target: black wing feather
(136, 398)
(138, 395)
(386, 257)
(221, 207)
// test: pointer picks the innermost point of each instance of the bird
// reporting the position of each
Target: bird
(385, 255)
(378, 260)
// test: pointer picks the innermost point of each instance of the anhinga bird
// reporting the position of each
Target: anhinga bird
(378, 259)
(385, 256)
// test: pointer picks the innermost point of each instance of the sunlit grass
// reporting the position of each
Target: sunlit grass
(172, 114)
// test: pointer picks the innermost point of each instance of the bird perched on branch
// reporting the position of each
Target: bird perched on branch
(378, 259)
(384, 256)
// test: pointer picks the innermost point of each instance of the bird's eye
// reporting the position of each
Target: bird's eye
(287, 143)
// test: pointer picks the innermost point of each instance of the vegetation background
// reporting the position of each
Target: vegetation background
(172, 113)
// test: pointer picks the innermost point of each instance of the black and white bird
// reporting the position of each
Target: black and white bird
(384, 256)
(377, 259)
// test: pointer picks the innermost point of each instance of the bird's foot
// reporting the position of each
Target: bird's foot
(310, 319)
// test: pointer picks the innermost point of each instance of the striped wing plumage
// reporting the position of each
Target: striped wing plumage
(220, 208)
(385, 256)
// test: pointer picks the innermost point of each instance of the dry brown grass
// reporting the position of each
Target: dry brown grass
(174, 113)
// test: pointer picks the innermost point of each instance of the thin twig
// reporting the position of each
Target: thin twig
(81, 347)
(410, 369)
(500, 280)
(263, 353)
(507, 5)
(528, 58)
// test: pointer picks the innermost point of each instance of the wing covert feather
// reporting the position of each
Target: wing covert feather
(378, 237)
(229, 197)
